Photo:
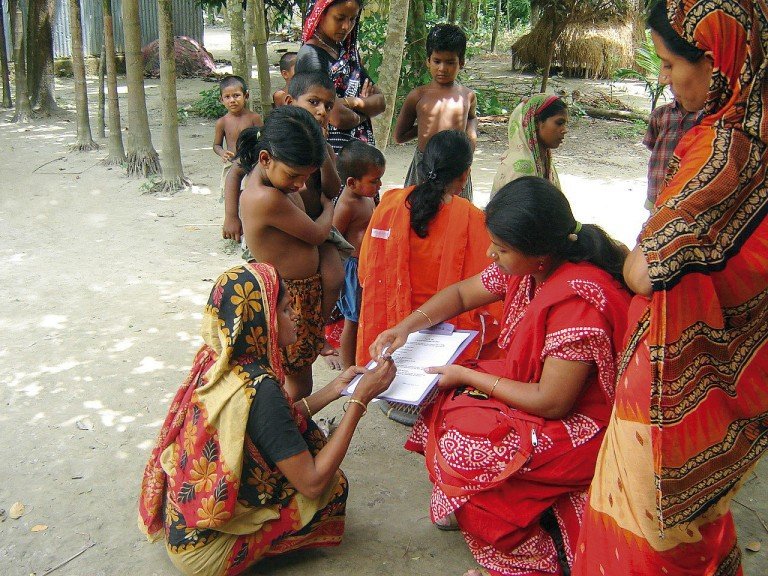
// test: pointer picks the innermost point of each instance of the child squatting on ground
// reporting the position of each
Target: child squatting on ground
(443, 104)
(360, 167)
(233, 94)
(287, 70)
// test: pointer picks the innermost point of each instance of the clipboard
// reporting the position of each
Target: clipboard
(436, 346)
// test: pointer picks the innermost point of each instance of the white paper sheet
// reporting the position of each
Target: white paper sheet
(422, 350)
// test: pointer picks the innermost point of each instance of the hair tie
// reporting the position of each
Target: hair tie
(432, 175)
(573, 236)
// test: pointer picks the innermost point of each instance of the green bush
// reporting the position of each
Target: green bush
(209, 104)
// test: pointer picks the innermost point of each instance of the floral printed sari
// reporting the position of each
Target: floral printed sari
(206, 487)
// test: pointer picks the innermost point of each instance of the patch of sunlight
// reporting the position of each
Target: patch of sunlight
(129, 390)
(32, 390)
(66, 365)
(121, 455)
(122, 345)
(93, 404)
(152, 330)
(58, 390)
(108, 417)
(196, 315)
(55, 321)
(16, 380)
(127, 419)
(17, 257)
(36, 418)
(97, 220)
(148, 364)
(95, 192)
(184, 336)
(99, 287)
(201, 190)
(146, 445)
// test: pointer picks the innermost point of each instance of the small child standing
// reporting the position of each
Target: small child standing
(234, 96)
(667, 125)
(288, 151)
(287, 70)
(360, 167)
(443, 104)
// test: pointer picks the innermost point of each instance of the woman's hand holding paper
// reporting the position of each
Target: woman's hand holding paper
(451, 375)
(375, 381)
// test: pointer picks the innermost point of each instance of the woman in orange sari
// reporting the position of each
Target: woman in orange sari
(420, 240)
(691, 413)
(239, 472)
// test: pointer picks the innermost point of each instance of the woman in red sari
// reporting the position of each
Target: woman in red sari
(691, 415)
(239, 472)
(507, 439)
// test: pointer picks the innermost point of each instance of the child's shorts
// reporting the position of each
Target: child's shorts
(351, 293)
(306, 297)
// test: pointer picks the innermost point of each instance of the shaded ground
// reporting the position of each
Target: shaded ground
(104, 287)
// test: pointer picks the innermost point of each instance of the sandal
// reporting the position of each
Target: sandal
(448, 524)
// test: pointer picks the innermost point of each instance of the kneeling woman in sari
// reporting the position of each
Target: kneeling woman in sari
(507, 439)
(239, 472)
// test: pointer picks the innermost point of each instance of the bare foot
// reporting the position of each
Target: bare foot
(476, 572)
(331, 356)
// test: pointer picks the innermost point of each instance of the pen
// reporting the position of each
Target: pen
(384, 352)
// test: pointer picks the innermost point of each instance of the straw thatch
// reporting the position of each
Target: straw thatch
(595, 51)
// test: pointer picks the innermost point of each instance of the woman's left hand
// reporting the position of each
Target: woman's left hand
(341, 381)
(451, 375)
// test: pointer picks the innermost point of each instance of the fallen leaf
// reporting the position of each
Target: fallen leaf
(39, 528)
(2, 514)
(17, 511)
(753, 546)
(84, 425)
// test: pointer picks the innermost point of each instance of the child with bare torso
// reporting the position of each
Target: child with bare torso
(290, 149)
(234, 97)
(361, 167)
(287, 70)
(443, 104)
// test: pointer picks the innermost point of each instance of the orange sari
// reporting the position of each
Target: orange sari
(400, 271)
(691, 414)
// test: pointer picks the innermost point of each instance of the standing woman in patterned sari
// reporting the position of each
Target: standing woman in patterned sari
(690, 420)
(239, 472)
(330, 46)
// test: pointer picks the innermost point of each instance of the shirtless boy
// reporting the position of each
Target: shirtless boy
(443, 104)
(287, 70)
(289, 150)
(361, 167)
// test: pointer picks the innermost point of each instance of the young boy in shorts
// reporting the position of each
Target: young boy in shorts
(287, 70)
(443, 104)
(360, 167)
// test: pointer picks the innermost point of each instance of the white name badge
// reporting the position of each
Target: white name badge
(378, 233)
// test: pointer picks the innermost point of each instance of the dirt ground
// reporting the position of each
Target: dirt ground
(104, 291)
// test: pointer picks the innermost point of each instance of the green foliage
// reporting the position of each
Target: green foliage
(650, 64)
(209, 104)
(631, 131)
(488, 103)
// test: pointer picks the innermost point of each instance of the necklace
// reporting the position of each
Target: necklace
(324, 43)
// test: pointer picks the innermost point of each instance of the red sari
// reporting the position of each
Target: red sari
(691, 416)
(498, 469)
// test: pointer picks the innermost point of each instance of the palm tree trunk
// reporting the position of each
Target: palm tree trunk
(39, 26)
(116, 152)
(5, 71)
(249, 38)
(237, 34)
(23, 111)
(142, 157)
(495, 33)
(100, 121)
(84, 139)
(389, 71)
(262, 62)
(173, 172)
(452, 9)
(416, 34)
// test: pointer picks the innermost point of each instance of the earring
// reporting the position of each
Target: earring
(541, 265)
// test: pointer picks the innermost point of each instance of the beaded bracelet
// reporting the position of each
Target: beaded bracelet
(355, 401)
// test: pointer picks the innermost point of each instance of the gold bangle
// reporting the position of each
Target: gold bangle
(420, 311)
(490, 394)
(346, 101)
(355, 401)
(306, 405)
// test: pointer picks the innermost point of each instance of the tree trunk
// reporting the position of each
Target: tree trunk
(237, 35)
(40, 85)
(142, 158)
(225, 15)
(100, 123)
(116, 152)
(23, 111)
(389, 71)
(453, 6)
(5, 71)
(417, 35)
(249, 39)
(84, 140)
(466, 9)
(173, 172)
(495, 33)
(262, 62)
